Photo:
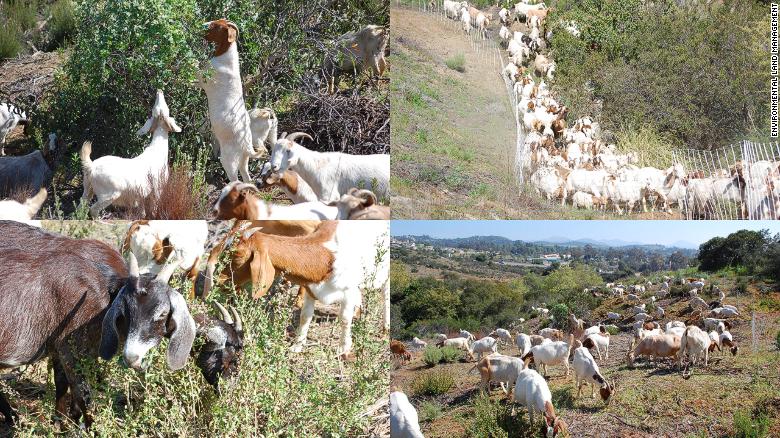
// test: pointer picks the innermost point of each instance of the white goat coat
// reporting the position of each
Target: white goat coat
(601, 342)
(187, 237)
(585, 368)
(695, 342)
(15, 211)
(332, 174)
(523, 342)
(552, 353)
(404, 422)
(531, 390)
(505, 369)
(485, 345)
(356, 246)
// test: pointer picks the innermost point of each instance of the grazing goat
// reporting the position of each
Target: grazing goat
(221, 352)
(23, 212)
(10, 118)
(29, 173)
(586, 370)
(55, 290)
(418, 343)
(656, 346)
(293, 186)
(126, 182)
(503, 335)
(499, 368)
(552, 353)
(487, 345)
(403, 417)
(551, 333)
(695, 343)
(398, 349)
(361, 205)
(332, 263)
(238, 200)
(232, 124)
(600, 341)
(331, 174)
(356, 52)
(156, 243)
(523, 342)
(532, 391)
(466, 334)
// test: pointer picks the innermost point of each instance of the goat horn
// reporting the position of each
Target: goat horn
(239, 325)
(295, 135)
(133, 262)
(224, 313)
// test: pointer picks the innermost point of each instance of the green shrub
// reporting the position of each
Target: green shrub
(494, 419)
(457, 63)
(21, 12)
(432, 383)
(560, 315)
(742, 285)
(429, 411)
(450, 354)
(62, 26)
(751, 426)
(9, 40)
(432, 355)
(654, 149)
(612, 330)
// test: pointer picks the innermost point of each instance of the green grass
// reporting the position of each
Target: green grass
(429, 411)
(21, 12)
(9, 40)
(751, 426)
(63, 21)
(457, 63)
(432, 355)
(653, 148)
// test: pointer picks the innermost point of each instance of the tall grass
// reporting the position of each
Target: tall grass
(21, 12)
(654, 149)
(9, 40)
(62, 26)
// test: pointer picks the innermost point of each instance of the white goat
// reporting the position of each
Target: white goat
(499, 368)
(126, 181)
(404, 422)
(600, 341)
(10, 117)
(466, 334)
(151, 241)
(552, 353)
(418, 343)
(230, 121)
(586, 370)
(694, 342)
(485, 345)
(331, 174)
(23, 212)
(531, 390)
(503, 335)
(523, 342)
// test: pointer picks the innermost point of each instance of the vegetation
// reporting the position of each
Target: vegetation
(457, 62)
(432, 383)
(432, 355)
(311, 393)
(753, 252)
(696, 84)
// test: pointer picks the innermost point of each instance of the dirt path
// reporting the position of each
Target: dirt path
(453, 134)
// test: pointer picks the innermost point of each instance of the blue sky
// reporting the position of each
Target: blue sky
(650, 232)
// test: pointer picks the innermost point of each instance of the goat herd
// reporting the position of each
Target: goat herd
(329, 185)
(69, 299)
(706, 329)
(573, 163)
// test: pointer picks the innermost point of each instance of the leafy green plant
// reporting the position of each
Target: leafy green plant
(450, 354)
(9, 40)
(560, 314)
(432, 355)
(457, 62)
(751, 426)
(62, 25)
(432, 383)
(492, 418)
(430, 410)
(612, 330)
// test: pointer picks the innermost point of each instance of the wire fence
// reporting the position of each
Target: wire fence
(740, 181)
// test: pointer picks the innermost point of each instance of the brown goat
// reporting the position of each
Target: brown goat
(399, 350)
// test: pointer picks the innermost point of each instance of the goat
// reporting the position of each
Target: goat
(523, 342)
(331, 174)
(466, 334)
(55, 290)
(665, 345)
(10, 118)
(230, 121)
(487, 345)
(694, 342)
(360, 205)
(404, 422)
(121, 181)
(398, 349)
(356, 52)
(551, 333)
(532, 391)
(586, 370)
(155, 243)
(503, 335)
(224, 344)
(600, 341)
(23, 212)
(293, 186)
(552, 353)
(332, 263)
(499, 368)
(239, 201)
(31, 172)
(418, 343)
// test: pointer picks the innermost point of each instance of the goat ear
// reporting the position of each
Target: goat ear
(183, 333)
(262, 272)
(109, 337)
(368, 197)
(232, 32)
(146, 128)
(172, 124)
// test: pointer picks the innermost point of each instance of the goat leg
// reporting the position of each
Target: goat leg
(7, 411)
(78, 386)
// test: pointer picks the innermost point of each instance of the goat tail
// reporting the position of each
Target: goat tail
(36, 202)
(86, 161)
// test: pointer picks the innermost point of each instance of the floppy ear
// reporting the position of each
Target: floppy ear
(262, 272)
(147, 126)
(368, 197)
(232, 32)
(183, 333)
(109, 337)
(172, 125)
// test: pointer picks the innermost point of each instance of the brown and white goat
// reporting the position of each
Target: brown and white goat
(360, 204)
(656, 346)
